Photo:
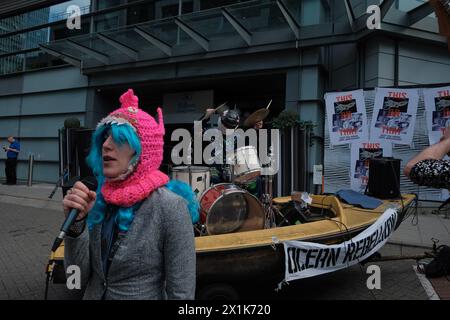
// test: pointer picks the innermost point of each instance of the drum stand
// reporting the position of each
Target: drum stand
(270, 210)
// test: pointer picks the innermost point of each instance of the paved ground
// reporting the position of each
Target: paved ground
(36, 196)
(26, 235)
(419, 230)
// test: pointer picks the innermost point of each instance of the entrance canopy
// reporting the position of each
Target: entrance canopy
(247, 27)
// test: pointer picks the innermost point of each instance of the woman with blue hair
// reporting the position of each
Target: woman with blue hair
(139, 243)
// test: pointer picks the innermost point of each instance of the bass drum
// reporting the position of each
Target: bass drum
(226, 208)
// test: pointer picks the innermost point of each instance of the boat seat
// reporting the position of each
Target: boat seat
(282, 200)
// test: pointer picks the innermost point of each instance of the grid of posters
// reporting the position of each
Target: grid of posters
(393, 122)
(361, 153)
(347, 119)
(394, 115)
(437, 106)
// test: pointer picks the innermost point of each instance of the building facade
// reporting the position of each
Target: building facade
(203, 53)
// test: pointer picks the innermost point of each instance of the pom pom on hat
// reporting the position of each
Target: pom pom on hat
(128, 99)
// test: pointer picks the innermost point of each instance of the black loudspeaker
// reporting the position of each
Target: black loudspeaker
(82, 139)
(384, 178)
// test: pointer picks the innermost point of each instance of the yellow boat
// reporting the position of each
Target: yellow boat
(235, 256)
(238, 255)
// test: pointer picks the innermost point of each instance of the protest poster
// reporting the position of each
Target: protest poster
(437, 106)
(394, 115)
(347, 119)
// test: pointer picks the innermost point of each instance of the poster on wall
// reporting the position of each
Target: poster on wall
(361, 153)
(394, 115)
(437, 106)
(347, 119)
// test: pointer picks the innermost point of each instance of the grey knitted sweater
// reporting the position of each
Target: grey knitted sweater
(155, 260)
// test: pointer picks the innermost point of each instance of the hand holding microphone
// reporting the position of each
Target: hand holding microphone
(79, 198)
(77, 203)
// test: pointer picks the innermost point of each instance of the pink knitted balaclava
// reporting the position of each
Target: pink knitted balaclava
(144, 177)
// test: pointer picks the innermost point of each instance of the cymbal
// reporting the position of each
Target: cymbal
(257, 116)
(222, 108)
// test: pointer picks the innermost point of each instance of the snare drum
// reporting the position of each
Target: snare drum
(197, 177)
(246, 167)
(226, 208)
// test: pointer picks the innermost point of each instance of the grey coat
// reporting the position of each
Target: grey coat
(155, 260)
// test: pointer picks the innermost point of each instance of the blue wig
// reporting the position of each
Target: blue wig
(185, 191)
(121, 134)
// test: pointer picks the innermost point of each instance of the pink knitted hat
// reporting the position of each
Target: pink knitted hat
(145, 176)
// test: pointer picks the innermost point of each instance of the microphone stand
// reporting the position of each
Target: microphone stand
(59, 183)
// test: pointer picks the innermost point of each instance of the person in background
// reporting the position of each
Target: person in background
(429, 168)
(12, 152)
(258, 125)
(227, 123)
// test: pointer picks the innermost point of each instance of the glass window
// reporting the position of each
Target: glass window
(187, 7)
(211, 24)
(294, 7)
(11, 24)
(39, 59)
(60, 31)
(59, 12)
(12, 43)
(208, 4)
(259, 17)
(109, 21)
(32, 39)
(11, 64)
(140, 13)
(408, 5)
(42, 16)
(166, 9)
(103, 4)
(359, 7)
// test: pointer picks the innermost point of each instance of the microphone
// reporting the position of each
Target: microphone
(89, 182)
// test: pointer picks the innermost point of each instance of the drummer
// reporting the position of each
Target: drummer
(228, 120)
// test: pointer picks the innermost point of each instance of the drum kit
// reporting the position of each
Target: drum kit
(230, 207)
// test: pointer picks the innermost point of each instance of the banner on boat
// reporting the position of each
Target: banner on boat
(347, 120)
(307, 259)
